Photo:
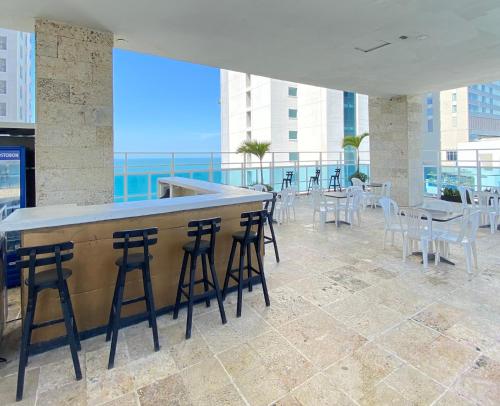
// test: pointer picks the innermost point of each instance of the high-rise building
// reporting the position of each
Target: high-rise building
(15, 76)
(470, 114)
(296, 118)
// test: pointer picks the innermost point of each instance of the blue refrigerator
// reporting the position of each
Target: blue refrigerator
(12, 197)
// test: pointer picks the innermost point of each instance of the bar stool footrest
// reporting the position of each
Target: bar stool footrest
(47, 323)
(134, 300)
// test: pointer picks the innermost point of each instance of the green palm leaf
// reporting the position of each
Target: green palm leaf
(259, 149)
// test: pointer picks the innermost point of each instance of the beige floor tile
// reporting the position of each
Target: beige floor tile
(321, 338)
(320, 290)
(166, 391)
(109, 385)
(359, 373)
(383, 395)
(281, 358)
(191, 351)
(347, 277)
(319, 391)
(439, 316)
(286, 305)
(59, 374)
(481, 382)
(414, 386)
(152, 367)
(204, 378)
(443, 359)
(408, 340)
(96, 362)
(451, 398)
(225, 396)
(240, 359)
(74, 394)
(8, 387)
(260, 386)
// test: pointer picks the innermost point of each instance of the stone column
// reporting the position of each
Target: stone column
(396, 134)
(74, 114)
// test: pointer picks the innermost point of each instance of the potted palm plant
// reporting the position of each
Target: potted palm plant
(354, 141)
(257, 148)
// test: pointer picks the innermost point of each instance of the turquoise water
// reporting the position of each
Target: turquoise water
(143, 173)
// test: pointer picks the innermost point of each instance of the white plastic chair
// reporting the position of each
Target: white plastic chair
(487, 204)
(280, 208)
(321, 205)
(290, 201)
(418, 226)
(366, 196)
(465, 236)
(392, 219)
(351, 205)
(464, 191)
(259, 188)
(386, 189)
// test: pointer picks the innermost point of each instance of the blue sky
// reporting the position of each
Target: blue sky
(164, 105)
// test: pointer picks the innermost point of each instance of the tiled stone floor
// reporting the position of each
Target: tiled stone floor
(348, 324)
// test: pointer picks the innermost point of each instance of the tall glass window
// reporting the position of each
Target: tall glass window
(349, 113)
(292, 135)
(292, 91)
(292, 113)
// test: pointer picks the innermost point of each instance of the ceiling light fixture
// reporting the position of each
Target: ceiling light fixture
(382, 44)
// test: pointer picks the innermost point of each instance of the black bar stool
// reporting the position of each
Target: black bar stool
(246, 238)
(131, 239)
(269, 207)
(335, 181)
(48, 279)
(287, 181)
(313, 180)
(193, 250)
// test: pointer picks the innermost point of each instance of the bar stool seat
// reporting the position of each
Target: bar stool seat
(240, 235)
(135, 260)
(190, 246)
(49, 278)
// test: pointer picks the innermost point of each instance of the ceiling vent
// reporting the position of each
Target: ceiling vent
(373, 47)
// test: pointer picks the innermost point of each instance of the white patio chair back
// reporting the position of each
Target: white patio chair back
(291, 193)
(391, 212)
(418, 222)
(259, 188)
(469, 225)
(357, 182)
(317, 198)
(464, 191)
(386, 189)
(488, 205)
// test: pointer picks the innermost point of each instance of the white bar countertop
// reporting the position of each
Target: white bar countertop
(213, 195)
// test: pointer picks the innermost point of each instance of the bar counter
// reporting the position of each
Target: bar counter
(91, 227)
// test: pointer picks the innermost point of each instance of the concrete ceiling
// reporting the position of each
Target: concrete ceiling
(450, 43)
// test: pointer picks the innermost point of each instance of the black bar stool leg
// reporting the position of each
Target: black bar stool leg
(191, 297)
(148, 292)
(69, 331)
(229, 268)
(262, 275)
(23, 356)
(72, 314)
(275, 244)
(179, 287)
(217, 289)
(240, 281)
(249, 263)
(205, 277)
(116, 318)
(144, 285)
(35, 298)
(113, 305)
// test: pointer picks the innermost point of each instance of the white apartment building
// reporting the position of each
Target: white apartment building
(296, 118)
(15, 77)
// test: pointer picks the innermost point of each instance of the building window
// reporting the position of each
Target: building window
(453, 97)
(454, 121)
(3, 42)
(292, 91)
(293, 156)
(292, 135)
(451, 155)
(3, 65)
(3, 109)
(453, 108)
(3, 87)
(292, 113)
(430, 125)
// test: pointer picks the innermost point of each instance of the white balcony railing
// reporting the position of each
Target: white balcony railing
(136, 173)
